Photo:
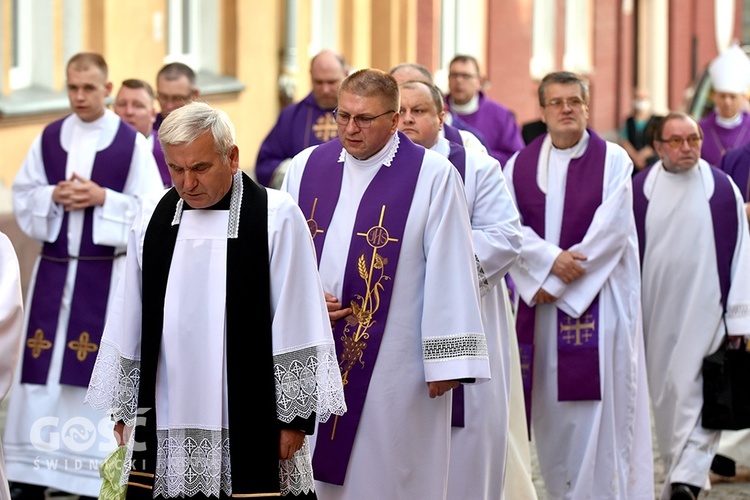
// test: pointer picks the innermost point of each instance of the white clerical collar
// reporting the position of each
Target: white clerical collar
(548, 149)
(733, 122)
(233, 227)
(468, 108)
(382, 157)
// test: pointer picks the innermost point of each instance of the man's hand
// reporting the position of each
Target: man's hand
(567, 268)
(441, 387)
(290, 442)
(336, 311)
(747, 211)
(78, 193)
(542, 296)
(122, 433)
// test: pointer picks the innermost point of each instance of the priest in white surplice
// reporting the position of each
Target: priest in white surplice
(393, 235)
(696, 262)
(480, 431)
(578, 320)
(77, 193)
(220, 324)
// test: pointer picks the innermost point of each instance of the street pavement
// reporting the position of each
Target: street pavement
(719, 491)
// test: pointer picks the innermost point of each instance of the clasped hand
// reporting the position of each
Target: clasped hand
(78, 193)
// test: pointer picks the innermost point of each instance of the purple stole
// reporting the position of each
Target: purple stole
(452, 134)
(718, 140)
(723, 215)
(161, 163)
(577, 338)
(368, 281)
(91, 290)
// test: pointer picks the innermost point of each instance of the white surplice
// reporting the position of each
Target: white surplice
(11, 329)
(401, 449)
(191, 384)
(51, 438)
(682, 312)
(478, 450)
(589, 449)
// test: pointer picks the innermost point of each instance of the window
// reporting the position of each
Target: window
(542, 38)
(192, 34)
(578, 32)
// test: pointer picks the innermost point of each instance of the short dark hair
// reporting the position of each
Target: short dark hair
(84, 60)
(435, 94)
(565, 78)
(373, 82)
(465, 58)
(175, 70)
(134, 83)
(675, 115)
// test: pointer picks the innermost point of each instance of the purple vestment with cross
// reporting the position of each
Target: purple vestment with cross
(578, 375)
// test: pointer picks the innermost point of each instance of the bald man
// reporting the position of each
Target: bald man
(306, 123)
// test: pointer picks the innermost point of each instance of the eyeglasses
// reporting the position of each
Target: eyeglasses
(461, 76)
(572, 102)
(360, 121)
(174, 99)
(676, 142)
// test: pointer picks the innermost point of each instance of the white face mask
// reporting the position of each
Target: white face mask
(641, 104)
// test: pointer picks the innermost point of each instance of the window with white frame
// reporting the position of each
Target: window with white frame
(192, 34)
(542, 38)
(578, 36)
(462, 31)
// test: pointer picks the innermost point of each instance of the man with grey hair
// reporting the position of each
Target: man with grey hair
(579, 317)
(393, 239)
(220, 290)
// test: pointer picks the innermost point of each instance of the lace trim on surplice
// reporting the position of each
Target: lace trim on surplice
(308, 380)
(466, 345)
(114, 384)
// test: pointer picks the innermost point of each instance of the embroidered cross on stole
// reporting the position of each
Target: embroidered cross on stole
(368, 281)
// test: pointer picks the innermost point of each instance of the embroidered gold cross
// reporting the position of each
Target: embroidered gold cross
(38, 343)
(574, 332)
(82, 346)
(311, 224)
(325, 127)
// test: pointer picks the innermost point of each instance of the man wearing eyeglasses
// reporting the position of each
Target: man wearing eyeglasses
(694, 242)
(578, 320)
(390, 226)
(496, 123)
(305, 123)
(175, 87)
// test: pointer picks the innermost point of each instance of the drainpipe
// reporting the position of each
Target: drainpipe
(287, 79)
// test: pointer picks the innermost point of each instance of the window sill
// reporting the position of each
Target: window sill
(36, 101)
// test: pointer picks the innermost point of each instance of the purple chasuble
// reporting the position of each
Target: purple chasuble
(723, 216)
(368, 280)
(717, 140)
(498, 127)
(736, 164)
(577, 338)
(161, 163)
(94, 273)
(299, 126)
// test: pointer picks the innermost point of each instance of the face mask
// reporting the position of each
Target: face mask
(641, 104)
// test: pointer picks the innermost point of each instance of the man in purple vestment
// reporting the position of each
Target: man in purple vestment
(496, 123)
(727, 126)
(306, 123)
(736, 163)
(77, 193)
(134, 104)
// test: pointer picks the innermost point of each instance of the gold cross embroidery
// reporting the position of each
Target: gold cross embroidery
(311, 224)
(325, 128)
(578, 332)
(82, 346)
(38, 343)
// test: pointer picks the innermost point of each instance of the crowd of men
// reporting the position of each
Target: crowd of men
(404, 294)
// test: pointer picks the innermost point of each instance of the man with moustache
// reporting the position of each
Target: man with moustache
(695, 249)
